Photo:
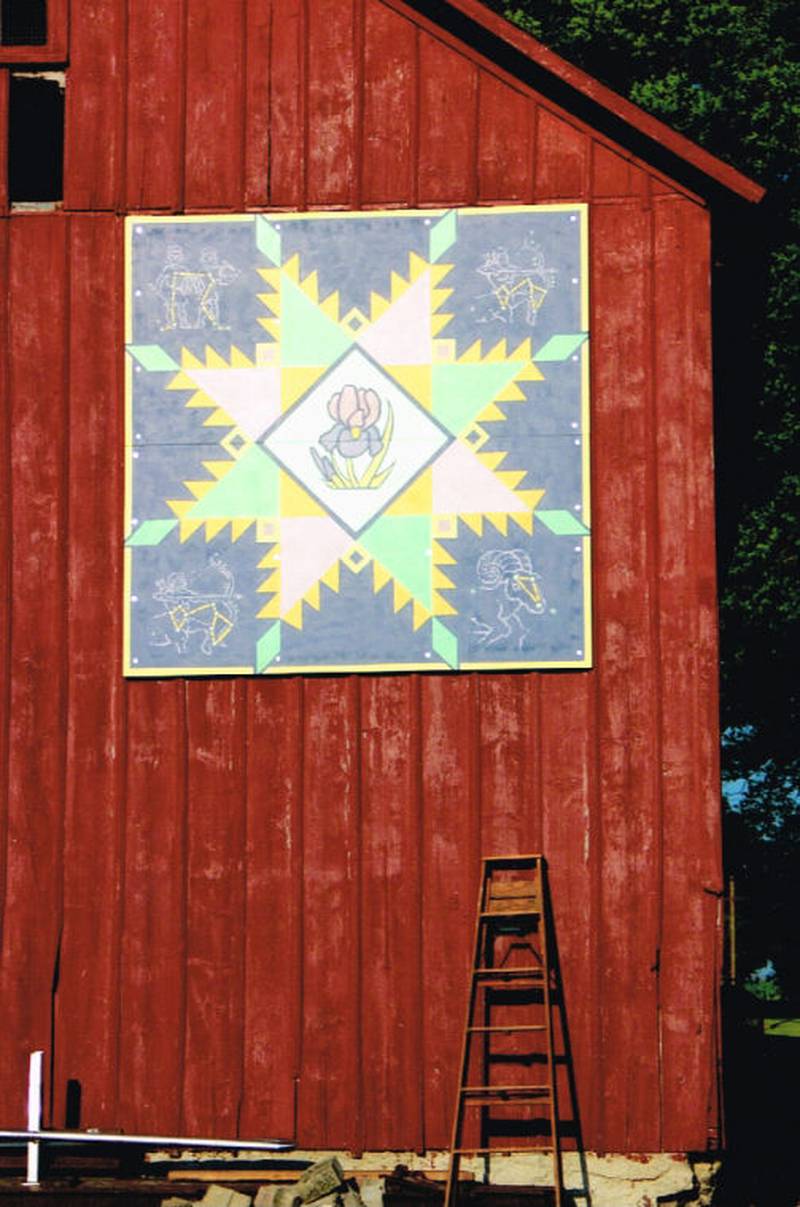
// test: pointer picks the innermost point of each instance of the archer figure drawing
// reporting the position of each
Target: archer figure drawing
(519, 286)
(199, 608)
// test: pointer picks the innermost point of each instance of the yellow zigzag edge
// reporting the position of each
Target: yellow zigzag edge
(398, 285)
(402, 596)
(309, 285)
(218, 418)
(272, 585)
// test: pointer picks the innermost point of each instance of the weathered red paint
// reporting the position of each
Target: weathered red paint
(258, 895)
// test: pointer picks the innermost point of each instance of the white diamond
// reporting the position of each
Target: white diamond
(415, 440)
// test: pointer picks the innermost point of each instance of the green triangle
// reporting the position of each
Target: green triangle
(461, 391)
(402, 545)
(444, 643)
(268, 240)
(443, 234)
(268, 646)
(151, 532)
(562, 522)
(308, 337)
(250, 489)
(559, 347)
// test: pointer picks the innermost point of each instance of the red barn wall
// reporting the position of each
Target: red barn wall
(247, 905)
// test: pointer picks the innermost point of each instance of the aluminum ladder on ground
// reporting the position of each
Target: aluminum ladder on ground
(509, 1024)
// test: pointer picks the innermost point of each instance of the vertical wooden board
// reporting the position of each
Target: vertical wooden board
(571, 846)
(215, 907)
(639, 181)
(273, 933)
(505, 141)
(390, 119)
(448, 91)
(610, 172)
(5, 569)
(614, 175)
(391, 918)
(215, 103)
(286, 160)
(688, 687)
(155, 104)
(10, 1069)
(511, 814)
(330, 1106)
(451, 868)
(37, 368)
(332, 35)
(4, 82)
(93, 136)
(87, 1000)
(626, 653)
(562, 158)
(153, 967)
(259, 19)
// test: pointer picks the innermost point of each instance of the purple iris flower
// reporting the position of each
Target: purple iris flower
(355, 412)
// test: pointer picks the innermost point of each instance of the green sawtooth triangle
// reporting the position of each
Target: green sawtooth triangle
(151, 532)
(268, 646)
(461, 391)
(268, 240)
(402, 545)
(248, 490)
(308, 337)
(444, 643)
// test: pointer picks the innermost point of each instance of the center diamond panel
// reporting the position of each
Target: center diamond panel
(356, 440)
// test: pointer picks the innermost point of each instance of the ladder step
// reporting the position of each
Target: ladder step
(508, 973)
(510, 861)
(500, 915)
(509, 1030)
(505, 1091)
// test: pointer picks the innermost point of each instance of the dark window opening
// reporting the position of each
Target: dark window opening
(35, 137)
(23, 22)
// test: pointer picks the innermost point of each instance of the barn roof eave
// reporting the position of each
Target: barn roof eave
(465, 18)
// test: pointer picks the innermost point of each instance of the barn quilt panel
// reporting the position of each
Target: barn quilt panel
(357, 442)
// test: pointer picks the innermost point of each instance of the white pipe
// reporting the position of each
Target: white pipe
(35, 1073)
(36, 1135)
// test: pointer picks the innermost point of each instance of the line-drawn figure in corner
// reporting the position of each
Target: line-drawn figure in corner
(190, 294)
(510, 573)
(199, 608)
(518, 286)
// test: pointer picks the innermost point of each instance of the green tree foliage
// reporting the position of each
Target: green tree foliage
(727, 75)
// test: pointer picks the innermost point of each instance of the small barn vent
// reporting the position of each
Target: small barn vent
(36, 137)
(23, 22)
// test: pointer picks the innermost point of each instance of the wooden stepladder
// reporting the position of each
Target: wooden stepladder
(507, 1094)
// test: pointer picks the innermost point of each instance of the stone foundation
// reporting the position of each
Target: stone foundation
(614, 1179)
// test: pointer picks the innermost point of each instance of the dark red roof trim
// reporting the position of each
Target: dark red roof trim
(532, 63)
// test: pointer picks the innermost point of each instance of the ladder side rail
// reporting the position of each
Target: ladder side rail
(451, 1189)
(546, 921)
(487, 960)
